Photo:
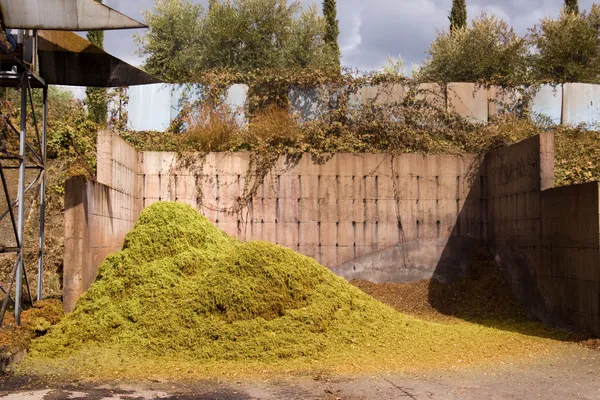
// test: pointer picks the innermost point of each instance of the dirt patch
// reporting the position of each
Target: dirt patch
(483, 297)
(35, 322)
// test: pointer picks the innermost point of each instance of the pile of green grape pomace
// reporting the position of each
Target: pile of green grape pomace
(181, 289)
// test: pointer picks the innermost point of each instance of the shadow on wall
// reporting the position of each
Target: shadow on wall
(527, 250)
(477, 290)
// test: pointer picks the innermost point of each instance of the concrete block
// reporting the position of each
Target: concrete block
(309, 210)
(311, 251)
(288, 187)
(328, 256)
(581, 104)
(388, 234)
(149, 107)
(269, 209)
(289, 210)
(309, 234)
(345, 254)
(328, 187)
(359, 208)
(548, 103)
(328, 234)
(345, 187)
(328, 210)
(345, 211)
(268, 232)
(287, 234)
(469, 101)
(503, 101)
(309, 187)
(346, 233)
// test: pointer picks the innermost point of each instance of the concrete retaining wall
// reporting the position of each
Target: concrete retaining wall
(367, 216)
(99, 215)
(569, 273)
(516, 177)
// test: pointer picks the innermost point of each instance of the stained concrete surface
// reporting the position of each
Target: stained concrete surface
(571, 375)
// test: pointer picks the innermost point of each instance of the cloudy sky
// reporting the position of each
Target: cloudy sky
(372, 30)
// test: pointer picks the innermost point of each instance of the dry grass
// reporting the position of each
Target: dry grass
(210, 129)
(34, 322)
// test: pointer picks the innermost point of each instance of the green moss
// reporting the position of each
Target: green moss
(183, 290)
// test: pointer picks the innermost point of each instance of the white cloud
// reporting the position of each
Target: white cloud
(371, 31)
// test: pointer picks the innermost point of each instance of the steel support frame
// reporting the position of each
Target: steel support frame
(30, 157)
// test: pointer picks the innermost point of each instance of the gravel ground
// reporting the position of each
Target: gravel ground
(575, 376)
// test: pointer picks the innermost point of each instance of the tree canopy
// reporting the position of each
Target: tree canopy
(96, 98)
(332, 30)
(572, 6)
(488, 51)
(567, 49)
(458, 15)
(185, 40)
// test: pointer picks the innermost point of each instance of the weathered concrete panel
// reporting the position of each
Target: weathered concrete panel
(548, 103)
(503, 101)
(149, 107)
(581, 104)
(469, 101)
(570, 255)
(309, 103)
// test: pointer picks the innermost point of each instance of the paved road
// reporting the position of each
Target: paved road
(574, 377)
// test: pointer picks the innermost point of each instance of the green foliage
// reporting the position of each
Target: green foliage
(117, 108)
(96, 98)
(572, 6)
(71, 134)
(577, 156)
(458, 15)
(489, 51)
(172, 46)
(393, 67)
(332, 30)
(185, 41)
(418, 122)
(568, 48)
(96, 101)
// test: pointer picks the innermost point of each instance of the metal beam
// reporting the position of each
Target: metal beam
(66, 15)
(40, 283)
(21, 205)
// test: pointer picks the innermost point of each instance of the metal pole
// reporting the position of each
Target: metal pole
(21, 197)
(40, 283)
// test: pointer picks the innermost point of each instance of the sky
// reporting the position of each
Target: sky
(372, 30)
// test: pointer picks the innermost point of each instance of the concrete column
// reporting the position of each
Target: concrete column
(75, 241)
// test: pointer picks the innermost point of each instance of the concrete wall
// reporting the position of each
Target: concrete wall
(367, 216)
(99, 214)
(154, 107)
(569, 277)
(547, 240)
(515, 179)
